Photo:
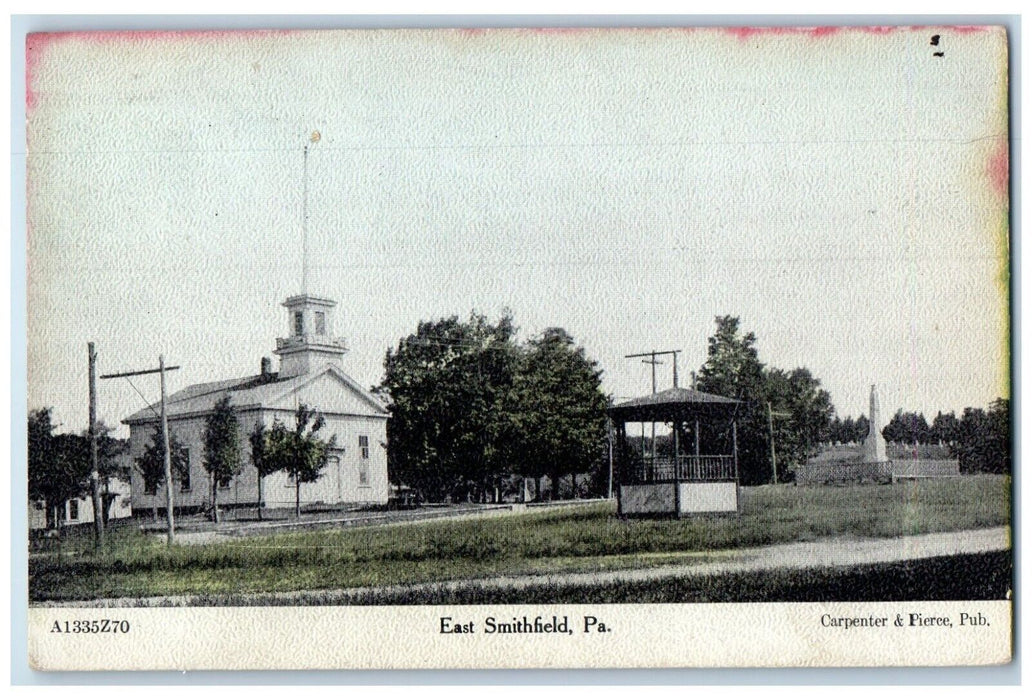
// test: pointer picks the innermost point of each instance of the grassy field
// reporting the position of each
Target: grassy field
(583, 539)
(986, 576)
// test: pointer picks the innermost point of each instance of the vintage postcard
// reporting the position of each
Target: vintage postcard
(519, 348)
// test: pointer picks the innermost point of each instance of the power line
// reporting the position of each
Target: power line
(149, 404)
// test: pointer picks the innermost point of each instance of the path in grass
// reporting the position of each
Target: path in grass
(836, 552)
(579, 540)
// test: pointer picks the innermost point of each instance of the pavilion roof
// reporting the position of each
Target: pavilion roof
(674, 402)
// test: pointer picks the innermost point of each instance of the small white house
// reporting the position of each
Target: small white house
(310, 373)
(78, 511)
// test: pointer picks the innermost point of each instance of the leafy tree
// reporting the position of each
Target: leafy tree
(984, 439)
(945, 428)
(300, 452)
(221, 449)
(451, 434)
(110, 463)
(561, 411)
(59, 465)
(908, 428)
(835, 430)
(151, 464)
(259, 440)
(998, 438)
(733, 369)
(861, 428)
(844, 431)
(797, 437)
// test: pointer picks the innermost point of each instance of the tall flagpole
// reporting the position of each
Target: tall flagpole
(314, 138)
(304, 221)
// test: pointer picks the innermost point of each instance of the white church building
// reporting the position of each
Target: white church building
(310, 373)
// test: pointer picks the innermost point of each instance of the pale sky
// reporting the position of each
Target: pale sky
(840, 193)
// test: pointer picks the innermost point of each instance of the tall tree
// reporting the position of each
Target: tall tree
(861, 427)
(259, 441)
(450, 434)
(733, 369)
(112, 464)
(300, 452)
(151, 464)
(945, 428)
(59, 465)
(221, 449)
(561, 414)
(984, 442)
(907, 428)
(797, 437)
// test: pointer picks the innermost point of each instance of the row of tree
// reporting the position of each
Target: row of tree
(471, 407)
(979, 438)
(300, 452)
(786, 408)
(844, 431)
(59, 463)
(474, 412)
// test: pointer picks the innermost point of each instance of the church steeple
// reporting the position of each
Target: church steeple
(311, 343)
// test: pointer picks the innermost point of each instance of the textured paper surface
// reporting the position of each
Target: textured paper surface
(844, 190)
(718, 635)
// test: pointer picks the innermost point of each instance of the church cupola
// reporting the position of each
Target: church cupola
(311, 342)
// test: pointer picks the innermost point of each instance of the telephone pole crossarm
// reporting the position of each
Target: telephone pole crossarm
(135, 374)
(169, 503)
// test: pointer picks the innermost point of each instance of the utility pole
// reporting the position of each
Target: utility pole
(653, 361)
(98, 502)
(770, 424)
(773, 455)
(169, 518)
(609, 434)
(169, 503)
(652, 355)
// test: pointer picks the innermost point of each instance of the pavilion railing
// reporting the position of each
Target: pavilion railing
(684, 468)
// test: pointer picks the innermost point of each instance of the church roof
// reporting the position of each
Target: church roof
(255, 391)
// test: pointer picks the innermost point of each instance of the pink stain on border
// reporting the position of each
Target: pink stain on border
(821, 32)
(37, 44)
(998, 169)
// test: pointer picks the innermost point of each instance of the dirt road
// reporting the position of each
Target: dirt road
(796, 555)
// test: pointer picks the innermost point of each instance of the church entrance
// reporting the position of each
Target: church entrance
(335, 469)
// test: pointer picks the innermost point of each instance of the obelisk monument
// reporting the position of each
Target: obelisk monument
(874, 445)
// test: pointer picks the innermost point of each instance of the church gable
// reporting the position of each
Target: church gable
(330, 391)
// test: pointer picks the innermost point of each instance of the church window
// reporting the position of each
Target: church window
(299, 323)
(320, 323)
(73, 509)
(184, 477)
(363, 468)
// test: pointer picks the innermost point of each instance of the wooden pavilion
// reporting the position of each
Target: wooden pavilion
(701, 474)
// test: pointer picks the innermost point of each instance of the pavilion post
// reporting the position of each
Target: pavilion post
(734, 444)
(677, 450)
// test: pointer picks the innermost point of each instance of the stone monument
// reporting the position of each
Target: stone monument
(874, 444)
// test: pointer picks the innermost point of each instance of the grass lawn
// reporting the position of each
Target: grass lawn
(987, 576)
(582, 539)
